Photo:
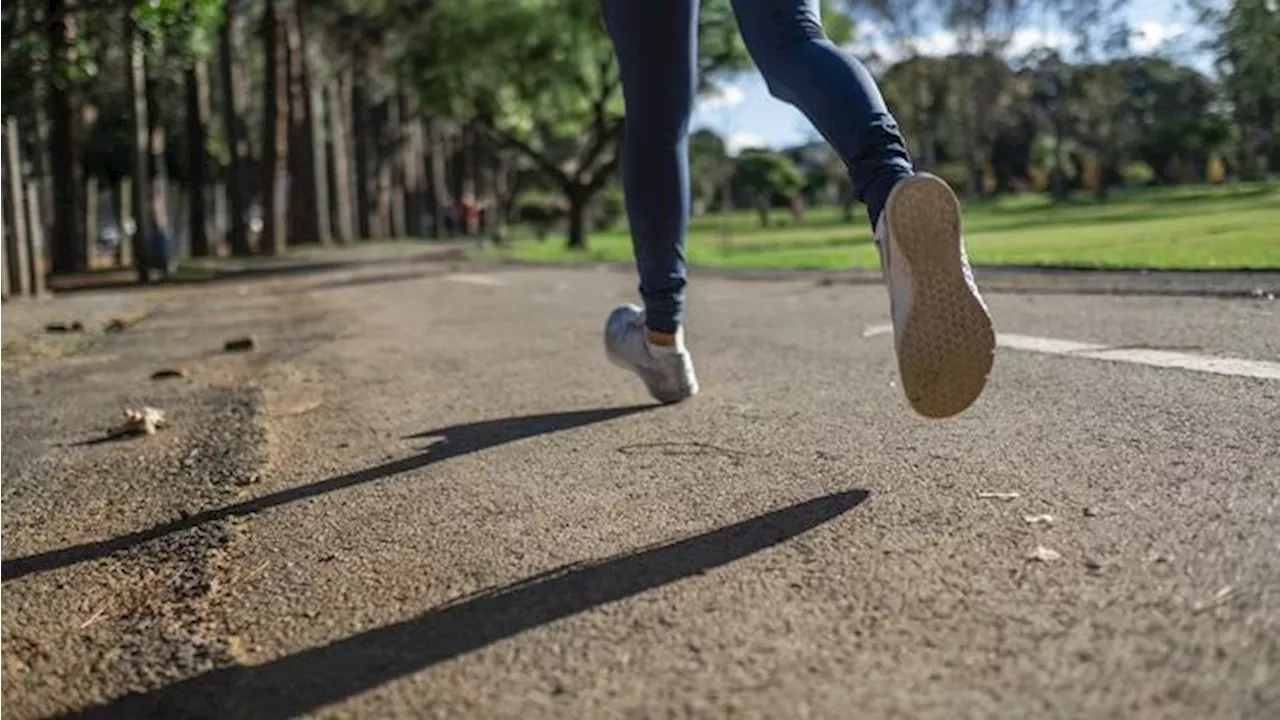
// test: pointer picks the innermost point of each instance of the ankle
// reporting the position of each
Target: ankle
(664, 343)
(659, 338)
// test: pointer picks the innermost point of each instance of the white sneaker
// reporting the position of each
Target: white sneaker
(666, 371)
(942, 329)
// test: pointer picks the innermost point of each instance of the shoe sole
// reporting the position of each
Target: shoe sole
(948, 345)
(656, 394)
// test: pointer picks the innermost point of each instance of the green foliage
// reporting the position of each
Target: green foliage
(765, 175)
(526, 66)
(1249, 59)
(541, 211)
(538, 67)
(609, 208)
(176, 33)
(1137, 174)
(765, 172)
(541, 76)
(181, 30)
(709, 164)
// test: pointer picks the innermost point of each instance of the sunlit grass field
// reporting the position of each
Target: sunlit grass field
(1192, 227)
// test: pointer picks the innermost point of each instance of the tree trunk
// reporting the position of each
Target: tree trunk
(472, 182)
(197, 82)
(397, 166)
(455, 154)
(320, 168)
(16, 237)
(158, 168)
(477, 168)
(973, 169)
(578, 202)
(438, 177)
(122, 201)
(502, 192)
(466, 178)
(219, 218)
(68, 253)
(275, 133)
(338, 96)
(364, 160)
(90, 216)
(35, 241)
(762, 209)
(929, 149)
(1103, 191)
(136, 81)
(304, 207)
(415, 170)
(1059, 189)
(119, 200)
(381, 176)
(4, 244)
(236, 178)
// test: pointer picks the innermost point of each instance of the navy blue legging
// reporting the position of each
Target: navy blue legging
(656, 42)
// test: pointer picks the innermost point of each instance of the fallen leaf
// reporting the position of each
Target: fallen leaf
(999, 495)
(143, 421)
(1215, 601)
(239, 344)
(166, 373)
(1044, 554)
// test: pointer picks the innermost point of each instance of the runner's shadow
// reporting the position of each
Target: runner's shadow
(454, 441)
(304, 682)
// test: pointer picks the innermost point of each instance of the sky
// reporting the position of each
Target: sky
(747, 116)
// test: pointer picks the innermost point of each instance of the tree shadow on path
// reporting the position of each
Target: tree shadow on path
(454, 441)
(304, 682)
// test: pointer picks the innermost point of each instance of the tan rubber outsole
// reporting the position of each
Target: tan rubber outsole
(948, 345)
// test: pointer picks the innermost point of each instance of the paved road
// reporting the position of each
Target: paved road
(426, 494)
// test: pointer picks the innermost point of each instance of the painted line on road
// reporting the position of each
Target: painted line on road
(487, 280)
(1141, 356)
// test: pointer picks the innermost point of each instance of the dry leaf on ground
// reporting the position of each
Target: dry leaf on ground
(1044, 554)
(142, 421)
(999, 495)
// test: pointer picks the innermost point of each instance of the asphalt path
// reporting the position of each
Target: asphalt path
(425, 493)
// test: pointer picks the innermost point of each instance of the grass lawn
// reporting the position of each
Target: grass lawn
(1228, 227)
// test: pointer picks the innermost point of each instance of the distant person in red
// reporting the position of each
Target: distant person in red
(943, 333)
(469, 214)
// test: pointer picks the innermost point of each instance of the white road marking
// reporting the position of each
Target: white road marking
(1240, 367)
(488, 280)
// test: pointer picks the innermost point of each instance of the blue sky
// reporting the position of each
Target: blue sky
(748, 116)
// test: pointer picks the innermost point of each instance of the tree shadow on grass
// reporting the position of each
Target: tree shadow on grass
(454, 441)
(304, 682)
